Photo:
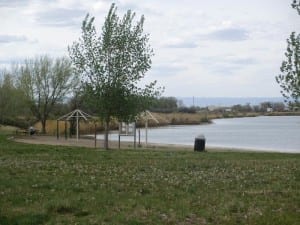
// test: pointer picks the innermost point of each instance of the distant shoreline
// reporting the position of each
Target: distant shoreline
(226, 101)
(189, 119)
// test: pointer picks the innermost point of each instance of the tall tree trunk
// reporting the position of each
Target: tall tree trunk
(106, 134)
(43, 121)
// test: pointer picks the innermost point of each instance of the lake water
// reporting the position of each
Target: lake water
(276, 133)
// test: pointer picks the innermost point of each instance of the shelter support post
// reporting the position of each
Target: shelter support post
(134, 136)
(57, 129)
(95, 135)
(139, 137)
(77, 130)
(146, 133)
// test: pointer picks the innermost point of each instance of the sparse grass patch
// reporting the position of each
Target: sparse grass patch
(68, 185)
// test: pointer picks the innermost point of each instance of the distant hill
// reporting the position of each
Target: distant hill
(219, 101)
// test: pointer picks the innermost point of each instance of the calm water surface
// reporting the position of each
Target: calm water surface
(276, 133)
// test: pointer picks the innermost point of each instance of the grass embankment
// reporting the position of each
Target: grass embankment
(296, 113)
(42, 184)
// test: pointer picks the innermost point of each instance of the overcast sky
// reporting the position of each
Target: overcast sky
(219, 48)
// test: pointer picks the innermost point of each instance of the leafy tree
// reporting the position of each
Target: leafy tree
(45, 82)
(278, 106)
(242, 108)
(289, 79)
(165, 105)
(6, 90)
(11, 99)
(265, 105)
(296, 5)
(112, 65)
(190, 109)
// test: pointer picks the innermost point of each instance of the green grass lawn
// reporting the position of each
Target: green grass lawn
(42, 184)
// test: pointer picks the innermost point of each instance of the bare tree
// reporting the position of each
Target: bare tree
(45, 82)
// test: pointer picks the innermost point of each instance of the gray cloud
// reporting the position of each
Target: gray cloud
(244, 61)
(137, 8)
(128, 6)
(182, 45)
(229, 34)
(13, 3)
(224, 69)
(60, 17)
(229, 59)
(227, 65)
(9, 61)
(167, 70)
(12, 38)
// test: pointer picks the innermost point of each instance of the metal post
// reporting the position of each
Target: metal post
(95, 135)
(146, 133)
(134, 135)
(57, 130)
(139, 137)
(77, 130)
(66, 135)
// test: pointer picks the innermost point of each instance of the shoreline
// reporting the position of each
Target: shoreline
(90, 143)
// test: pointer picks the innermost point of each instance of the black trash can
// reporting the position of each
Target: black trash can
(199, 143)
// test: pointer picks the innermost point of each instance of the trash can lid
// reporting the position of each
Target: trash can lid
(201, 136)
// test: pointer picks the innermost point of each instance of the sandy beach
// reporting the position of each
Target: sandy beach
(90, 143)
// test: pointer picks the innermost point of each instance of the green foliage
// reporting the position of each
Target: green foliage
(191, 109)
(11, 100)
(67, 185)
(44, 83)
(113, 64)
(296, 5)
(164, 104)
(23, 123)
(289, 79)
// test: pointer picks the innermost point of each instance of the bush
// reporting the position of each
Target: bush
(187, 109)
(17, 122)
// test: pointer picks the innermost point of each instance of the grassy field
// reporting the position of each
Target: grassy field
(42, 184)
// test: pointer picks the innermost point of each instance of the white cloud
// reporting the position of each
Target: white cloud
(59, 17)
(202, 48)
(229, 34)
(179, 43)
